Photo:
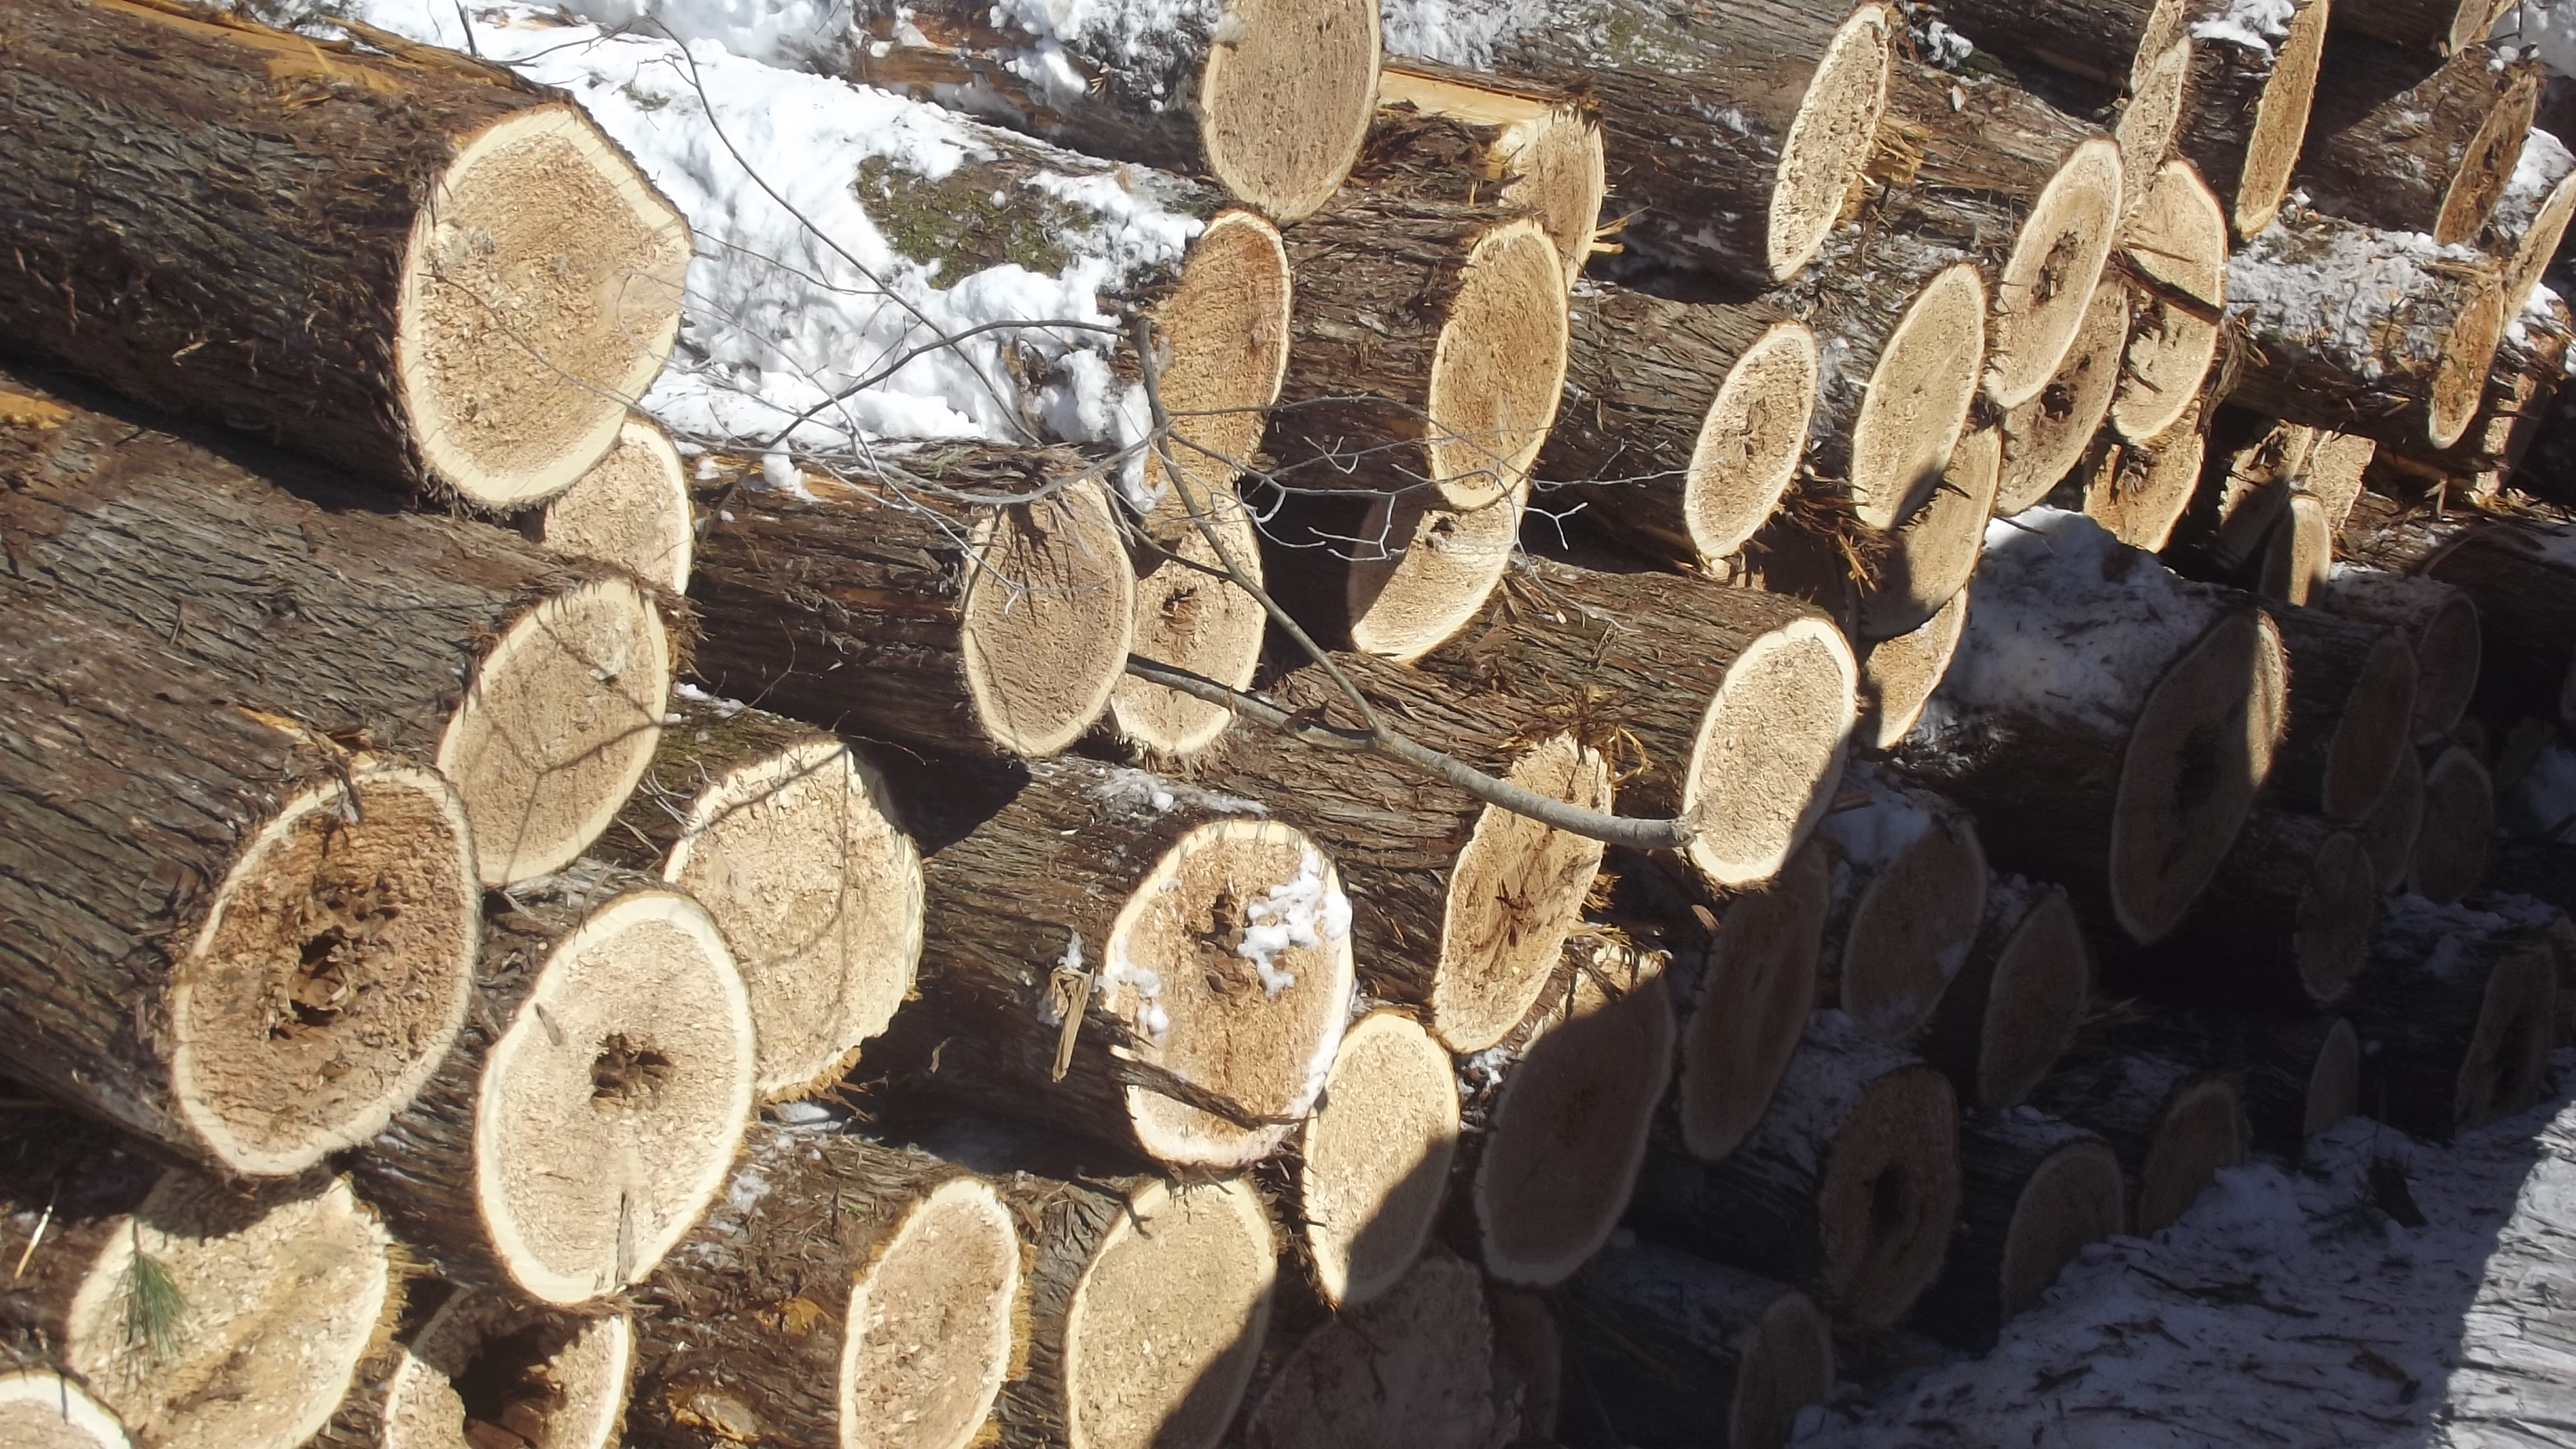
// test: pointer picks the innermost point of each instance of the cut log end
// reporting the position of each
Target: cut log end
(2458, 821)
(2201, 746)
(2389, 831)
(1373, 1160)
(2334, 1082)
(1751, 441)
(1890, 1196)
(2145, 131)
(1420, 571)
(1898, 675)
(1047, 620)
(2048, 280)
(2531, 253)
(559, 727)
(2487, 165)
(818, 893)
(2138, 492)
(2460, 377)
(1166, 1324)
(2045, 437)
(1755, 994)
(2043, 984)
(1285, 101)
(931, 1331)
(2506, 1066)
(2447, 658)
(1517, 889)
(631, 510)
(1225, 325)
(540, 296)
(1413, 1370)
(2377, 725)
(1911, 929)
(1788, 1364)
(2298, 554)
(1830, 141)
(633, 1056)
(489, 1359)
(332, 972)
(2201, 1130)
(40, 1409)
(1191, 619)
(2336, 912)
(1918, 396)
(1498, 367)
(1252, 918)
(1770, 750)
(2280, 120)
(1549, 149)
(1935, 550)
(2336, 466)
(2074, 1197)
(2176, 245)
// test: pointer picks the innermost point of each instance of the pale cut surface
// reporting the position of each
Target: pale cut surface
(1517, 889)
(40, 1410)
(1935, 549)
(1225, 328)
(1413, 1370)
(1373, 1162)
(1208, 1011)
(2045, 437)
(1831, 139)
(1422, 571)
(1918, 396)
(2041, 295)
(634, 1058)
(818, 894)
(2332, 938)
(2506, 1066)
(2042, 986)
(2336, 466)
(2198, 751)
(2538, 245)
(1498, 368)
(2201, 1131)
(331, 973)
(2460, 378)
(540, 296)
(929, 1334)
(2145, 131)
(2176, 244)
(1770, 750)
(1890, 1196)
(1898, 675)
(2073, 1198)
(1284, 105)
(631, 509)
(1167, 1320)
(2334, 1083)
(2486, 168)
(2459, 818)
(1751, 440)
(2281, 120)
(1552, 155)
(1190, 618)
(284, 1294)
(2378, 725)
(1755, 994)
(484, 1356)
(1788, 1365)
(1911, 929)
(2390, 830)
(2140, 506)
(2167, 25)
(558, 727)
(2299, 554)
(1049, 613)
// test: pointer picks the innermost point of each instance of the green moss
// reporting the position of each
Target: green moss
(935, 221)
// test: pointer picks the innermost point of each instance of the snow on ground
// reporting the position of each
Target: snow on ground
(2289, 1307)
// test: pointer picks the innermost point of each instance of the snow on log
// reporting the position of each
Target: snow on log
(2174, 253)
(1909, 895)
(1684, 423)
(2411, 142)
(2033, 1191)
(1897, 676)
(498, 280)
(2456, 1015)
(2045, 437)
(2530, 218)
(2514, 412)
(961, 597)
(41, 1408)
(2352, 712)
(2389, 831)
(2300, 1071)
(2107, 722)
(1847, 1188)
(2253, 77)
(2114, 43)
(2438, 620)
(2438, 26)
(534, 683)
(840, 1291)
(1444, 132)
(791, 843)
(2521, 575)
(631, 510)
(2139, 491)
(1369, 1170)
(1666, 1350)
(1411, 1369)
(2173, 1120)
(611, 1030)
(2013, 1008)
(2457, 827)
(1749, 1002)
(2288, 916)
(483, 1365)
(2362, 330)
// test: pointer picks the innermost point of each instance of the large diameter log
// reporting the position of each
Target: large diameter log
(535, 684)
(433, 274)
(1412, 1369)
(1668, 1350)
(1450, 133)
(485, 1364)
(1371, 1166)
(1683, 423)
(840, 1292)
(2033, 1192)
(2175, 254)
(2456, 1015)
(2173, 1121)
(612, 1030)
(1909, 897)
(2253, 79)
(631, 510)
(973, 599)
(1899, 675)
(2113, 755)
(2288, 915)
(2014, 1006)
(2108, 42)
(2522, 578)
(2411, 142)
(2530, 218)
(2456, 829)
(2139, 491)
(1848, 1187)
(1754, 992)
(2438, 620)
(2363, 331)
(791, 843)
(2046, 437)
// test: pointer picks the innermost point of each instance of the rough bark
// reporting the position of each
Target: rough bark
(2105, 42)
(2411, 142)
(2437, 620)
(2438, 26)
(1667, 1350)
(2456, 1015)
(2288, 917)
(2173, 1120)
(1446, 133)
(2033, 1192)
(2521, 574)
(2530, 218)
(2013, 1009)
(1909, 897)
(2247, 109)
(2352, 708)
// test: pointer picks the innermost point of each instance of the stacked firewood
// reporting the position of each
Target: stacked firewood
(2013, 725)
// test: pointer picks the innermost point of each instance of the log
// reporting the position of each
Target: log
(498, 280)
(2458, 823)
(533, 683)
(841, 1291)
(2044, 438)
(2118, 759)
(1909, 893)
(1189, 615)
(2363, 331)
(1666, 1350)
(2530, 218)
(2014, 1006)
(2253, 77)
(2033, 1191)
(1898, 676)
(40, 1407)
(1880, 584)
(2456, 1014)
(1411, 1368)
(1749, 1003)
(2139, 491)
(2174, 252)
(2251, 465)
(1395, 575)
(481, 1365)
(2389, 831)
(610, 1029)
(1368, 1171)
(1273, 102)
(1450, 133)
(2300, 1071)
(2521, 575)
(1847, 1188)
(1684, 423)
(1529, 1367)
(2438, 620)
(2352, 711)
(2439, 26)
(2334, 473)
(631, 510)
(2172, 1120)
(2107, 42)
(2298, 555)
(791, 843)
(2411, 142)
(961, 598)
(2287, 917)
(2514, 412)
(1207, 949)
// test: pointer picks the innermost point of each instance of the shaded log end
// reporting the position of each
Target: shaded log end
(1830, 140)
(2331, 939)
(2334, 1081)
(1516, 890)
(2140, 491)
(1756, 991)
(1934, 551)
(1898, 675)
(2047, 283)
(2201, 746)
(488, 1361)
(2376, 726)
(2528, 258)
(933, 1323)
(1889, 1197)
(1421, 1356)
(1911, 929)
(1285, 100)
(1373, 1162)
(1419, 571)
(1048, 617)
(2458, 822)
(2505, 1066)
(2389, 831)
(2045, 437)
(630, 510)
(2041, 988)
(2200, 1130)
(1769, 752)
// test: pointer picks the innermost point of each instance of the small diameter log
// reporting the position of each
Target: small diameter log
(1189, 616)
(2173, 1121)
(791, 843)
(2298, 555)
(2352, 712)
(1371, 1166)
(2411, 142)
(2458, 825)
(1447, 133)
(484, 1365)
(2334, 474)
(1898, 676)
(2530, 218)
(2174, 254)
(1683, 423)
(443, 277)
(1667, 1350)
(2033, 1191)
(534, 683)
(1909, 896)
(2389, 831)
(2514, 412)
(973, 598)
(631, 509)
(1208, 950)
(2118, 757)
(1412, 1369)
(2012, 1010)
(2522, 578)
(2363, 331)
(2300, 1071)
(2251, 465)
(1394, 575)
(2288, 916)
(2113, 43)
(2140, 491)
(1848, 1187)
(2439, 621)
(2456, 1014)
(611, 1030)
(1933, 551)
(2045, 437)
(41, 1409)
(839, 1292)
(2437, 26)
(2253, 78)
(1751, 999)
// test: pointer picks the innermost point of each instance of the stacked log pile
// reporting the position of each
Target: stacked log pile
(518, 930)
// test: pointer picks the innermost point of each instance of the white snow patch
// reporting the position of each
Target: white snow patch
(2252, 24)
(2330, 287)
(776, 32)
(1127, 789)
(1891, 823)
(2543, 802)
(1300, 913)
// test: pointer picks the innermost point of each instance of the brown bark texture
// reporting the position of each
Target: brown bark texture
(2103, 42)
(2522, 576)
(1657, 1346)
(1996, 1047)
(2408, 141)
(1999, 1154)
